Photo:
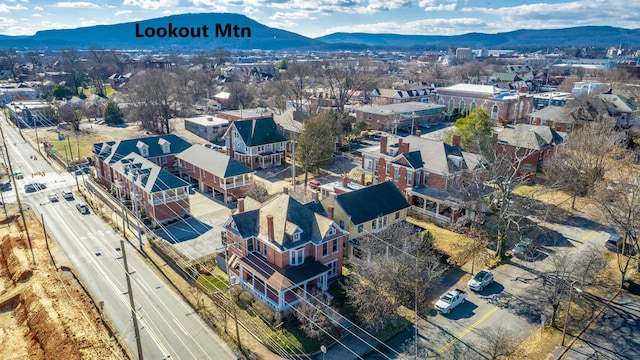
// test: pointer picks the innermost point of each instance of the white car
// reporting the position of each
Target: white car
(53, 197)
(480, 280)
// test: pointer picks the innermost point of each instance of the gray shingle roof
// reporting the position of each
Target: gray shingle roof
(112, 151)
(530, 137)
(214, 162)
(151, 177)
(258, 131)
(372, 202)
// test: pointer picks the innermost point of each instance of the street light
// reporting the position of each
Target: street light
(566, 319)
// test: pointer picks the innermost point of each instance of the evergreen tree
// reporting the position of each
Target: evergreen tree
(112, 114)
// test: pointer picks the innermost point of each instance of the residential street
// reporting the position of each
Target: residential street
(512, 302)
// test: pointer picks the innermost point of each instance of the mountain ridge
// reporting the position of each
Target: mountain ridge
(124, 36)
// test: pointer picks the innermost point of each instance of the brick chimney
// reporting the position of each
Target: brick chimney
(270, 228)
(418, 133)
(455, 140)
(314, 195)
(285, 190)
(403, 147)
(241, 205)
(345, 181)
(383, 144)
(330, 212)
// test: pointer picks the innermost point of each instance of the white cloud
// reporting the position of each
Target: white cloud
(38, 8)
(151, 4)
(37, 15)
(4, 8)
(77, 4)
(282, 24)
(419, 27)
(292, 15)
(123, 12)
(388, 5)
(251, 10)
(438, 5)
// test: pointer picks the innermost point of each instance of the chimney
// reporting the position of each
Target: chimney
(418, 133)
(314, 195)
(383, 144)
(285, 190)
(270, 228)
(403, 147)
(345, 181)
(241, 205)
(330, 212)
(455, 140)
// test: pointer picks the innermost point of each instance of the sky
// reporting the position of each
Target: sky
(314, 18)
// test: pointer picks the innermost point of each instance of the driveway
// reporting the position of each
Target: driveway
(199, 235)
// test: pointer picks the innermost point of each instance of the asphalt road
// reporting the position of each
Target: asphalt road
(513, 303)
(169, 327)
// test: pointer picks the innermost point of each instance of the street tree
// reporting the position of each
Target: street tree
(619, 204)
(113, 115)
(315, 144)
(396, 267)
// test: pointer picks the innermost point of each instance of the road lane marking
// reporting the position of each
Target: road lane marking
(499, 306)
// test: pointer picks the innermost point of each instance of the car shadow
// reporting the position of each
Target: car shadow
(462, 311)
(491, 289)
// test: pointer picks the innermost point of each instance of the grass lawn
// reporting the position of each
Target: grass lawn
(552, 197)
(217, 281)
(446, 241)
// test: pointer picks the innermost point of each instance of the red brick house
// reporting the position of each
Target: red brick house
(214, 172)
(282, 251)
(401, 115)
(160, 150)
(428, 172)
(162, 197)
(527, 146)
(558, 118)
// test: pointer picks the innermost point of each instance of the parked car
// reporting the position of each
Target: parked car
(450, 300)
(314, 184)
(525, 249)
(5, 186)
(29, 188)
(616, 244)
(82, 207)
(67, 194)
(53, 197)
(480, 280)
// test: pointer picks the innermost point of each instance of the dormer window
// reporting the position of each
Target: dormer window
(296, 237)
(165, 145)
(331, 231)
(143, 148)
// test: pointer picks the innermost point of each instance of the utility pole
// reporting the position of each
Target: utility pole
(15, 186)
(233, 304)
(46, 241)
(134, 316)
(134, 178)
(75, 173)
(293, 164)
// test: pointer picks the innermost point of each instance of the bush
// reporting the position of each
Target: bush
(264, 312)
(246, 299)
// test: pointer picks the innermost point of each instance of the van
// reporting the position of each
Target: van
(83, 208)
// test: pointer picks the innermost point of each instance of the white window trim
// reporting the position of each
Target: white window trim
(293, 258)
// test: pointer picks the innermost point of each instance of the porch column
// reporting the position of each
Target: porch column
(324, 282)
(281, 299)
(305, 290)
(437, 208)
(424, 204)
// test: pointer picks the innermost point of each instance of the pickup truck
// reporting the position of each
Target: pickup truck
(450, 300)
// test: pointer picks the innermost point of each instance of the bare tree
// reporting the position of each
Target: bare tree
(582, 163)
(317, 318)
(498, 343)
(315, 144)
(9, 60)
(619, 204)
(397, 266)
(72, 114)
(153, 92)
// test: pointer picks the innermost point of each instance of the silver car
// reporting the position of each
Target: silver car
(480, 280)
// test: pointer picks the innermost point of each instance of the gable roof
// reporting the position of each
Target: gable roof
(288, 215)
(530, 137)
(372, 202)
(256, 132)
(555, 113)
(150, 177)
(434, 155)
(214, 162)
(620, 103)
(115, 150)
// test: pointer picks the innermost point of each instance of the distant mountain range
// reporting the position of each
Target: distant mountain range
(237, 32)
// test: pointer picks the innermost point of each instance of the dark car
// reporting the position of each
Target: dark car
(5, 186)
(525, 249)
(83, 208)
(29, 188)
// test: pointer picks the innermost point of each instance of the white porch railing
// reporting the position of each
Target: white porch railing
(168, 199)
